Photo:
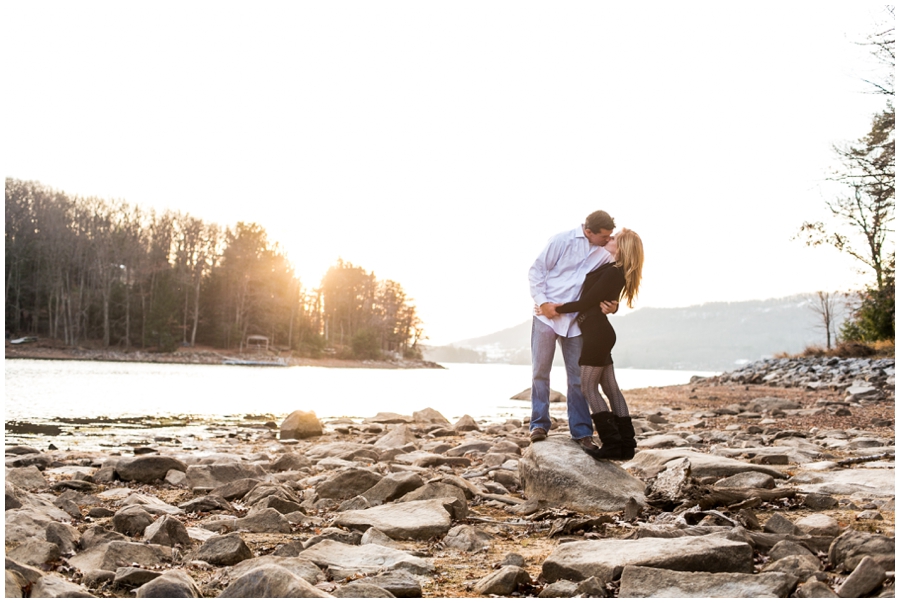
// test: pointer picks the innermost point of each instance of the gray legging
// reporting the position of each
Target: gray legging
(595, 377)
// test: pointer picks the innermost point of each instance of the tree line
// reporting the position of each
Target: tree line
(860, 221)
(89, 269)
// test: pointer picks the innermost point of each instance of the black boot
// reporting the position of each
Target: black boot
(605, 423)
(626, 431)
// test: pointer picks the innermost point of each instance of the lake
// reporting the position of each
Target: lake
(43, 390)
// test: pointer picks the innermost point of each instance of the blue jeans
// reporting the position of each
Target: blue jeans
(543, 347)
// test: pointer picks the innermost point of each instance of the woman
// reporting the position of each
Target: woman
(610, 282)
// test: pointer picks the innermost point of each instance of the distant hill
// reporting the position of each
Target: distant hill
(713, 337)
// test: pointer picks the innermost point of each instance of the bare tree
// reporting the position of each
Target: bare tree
(824, 305)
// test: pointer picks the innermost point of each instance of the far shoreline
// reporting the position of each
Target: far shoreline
(196, 355)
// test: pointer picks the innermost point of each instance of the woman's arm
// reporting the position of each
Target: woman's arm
(607, 288)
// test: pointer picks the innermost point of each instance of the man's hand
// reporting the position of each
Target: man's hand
(549, 310)
(609, 307)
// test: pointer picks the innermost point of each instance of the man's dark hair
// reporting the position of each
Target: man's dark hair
(599, 220)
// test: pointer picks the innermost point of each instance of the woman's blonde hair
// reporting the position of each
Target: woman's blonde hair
(630, 256)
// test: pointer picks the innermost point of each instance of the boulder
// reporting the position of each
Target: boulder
(848, 549)
(300, 425)
(502, 582)
(132, 520)
(558, 472)
(747, 479)
(362, 590)
(801, 567)
(290, 461)
(224, 550)
(398, 437)
(347, 484)
(54, 586)
(271, 582)
(436, 490)
(134, 576)
(416, 520)
(392, 486)
(847, 482)
(214, 475)
(867, 576)
(28, 478)
(525, 395)
(650, 462)
(113, 555)
(643, 582)
(265, 521)
(467, 539)
(146, 468)
(63, 536)
(174, 584)
(399, 583)
(429, 415)
(345, 560)
(466, 423)
(301, 568)
(167, 531)
(34, 553)
(605, 559)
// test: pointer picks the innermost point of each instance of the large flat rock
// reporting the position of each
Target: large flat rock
(347, 560)
(650, 462)
(605, 559)
(846, 482)
(558, 472)
(420, 519)
(646, 582)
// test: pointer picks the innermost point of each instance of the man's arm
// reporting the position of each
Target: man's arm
(537, 274)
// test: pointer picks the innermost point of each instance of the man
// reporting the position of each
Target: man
(556, 276)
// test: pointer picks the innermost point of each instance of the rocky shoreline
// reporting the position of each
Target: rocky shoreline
(774, 480)
(56, 351)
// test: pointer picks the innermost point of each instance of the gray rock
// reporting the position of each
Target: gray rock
(335, 534)
(398, 437)
(12, 500)
(847, 482)
(132, 520)
(605, 559)
(15, 584)
(469, 446)
(429, 415)
(28, 478)
(819, 525)
(97, 535)
(415, 520)
(592, 587)
(557, 471)
(300, 425)
(224, 550)
(167, 531)
(110, 556)
(801, 566)
(174, 584)
(851, 547)
(344, 560)
(259, 522)
(150, 504)
(96, 578)
(176, 478)
(215, 475)
(662, 441)
(561, 589)
(300, 568)
(787, 548)
(813, 589)
(63, 536)
(867, 576)
(354, 504)
(236, 489)
(392, 486)
(265, 490)
(53, 586)
(290, 461)
(279, 504)
(513, 559)
(134, 576)
(41, 461)
(437, 490)
(819, 502)
(399, 583)
(362, 590)
(466, 423)
(376, 536)
(650, 462)
(205, 504)
(502, 582)
(146, 468)
(641, 582)
(671, 483)
(748, 479)
(347, 484)
(467, 538)
(29, 575)
(34, 553)
(779, 524)
(271, 582)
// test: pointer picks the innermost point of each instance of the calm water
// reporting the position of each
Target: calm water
(41, 390)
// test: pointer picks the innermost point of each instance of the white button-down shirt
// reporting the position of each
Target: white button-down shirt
(558, 274)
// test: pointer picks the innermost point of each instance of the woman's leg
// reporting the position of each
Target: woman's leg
(611, 389)
(590, 387)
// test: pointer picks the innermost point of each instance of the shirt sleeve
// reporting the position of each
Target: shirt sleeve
(606, 288)
(537, 274)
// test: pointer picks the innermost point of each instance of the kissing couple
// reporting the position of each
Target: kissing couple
(579, 278)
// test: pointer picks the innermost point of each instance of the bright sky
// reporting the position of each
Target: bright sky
(440, 144)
